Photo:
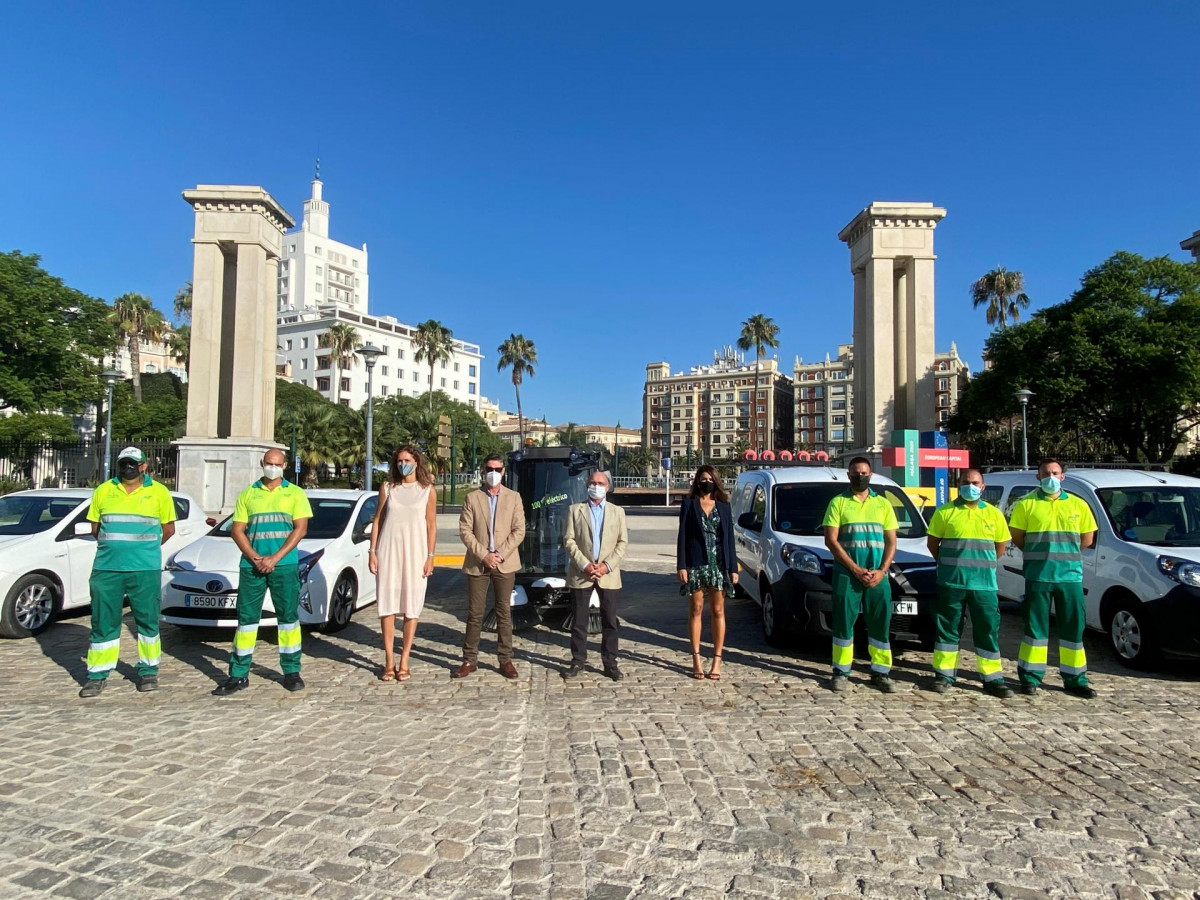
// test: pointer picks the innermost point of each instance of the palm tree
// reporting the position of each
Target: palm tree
(435, 342)
(138, 320)
(180, 344)
(183, 302)
(517, 353)
(341, 340)
(570, 436)
(758, 333)
(1003, 292)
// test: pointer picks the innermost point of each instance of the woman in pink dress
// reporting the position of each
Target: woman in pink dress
(402, 540)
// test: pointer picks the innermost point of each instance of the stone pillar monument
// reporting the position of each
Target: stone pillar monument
(891, 257)
(231, 377)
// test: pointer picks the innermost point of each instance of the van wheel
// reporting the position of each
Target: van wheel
(775, 632)
(1131, 635)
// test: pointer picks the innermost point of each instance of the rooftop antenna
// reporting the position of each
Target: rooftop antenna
(317, 175)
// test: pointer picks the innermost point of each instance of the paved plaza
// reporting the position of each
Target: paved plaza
(761, 785)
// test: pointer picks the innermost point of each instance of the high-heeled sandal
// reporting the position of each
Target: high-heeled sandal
(698, 670)
(403, 674)
(388, 674)
(714, 676)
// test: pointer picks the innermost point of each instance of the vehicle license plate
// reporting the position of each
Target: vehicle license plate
(904, 608)
(206, 601)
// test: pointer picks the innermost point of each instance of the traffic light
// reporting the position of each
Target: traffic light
(443, 449)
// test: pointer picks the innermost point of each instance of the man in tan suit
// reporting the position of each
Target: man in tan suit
(596, 540)
(491, 526)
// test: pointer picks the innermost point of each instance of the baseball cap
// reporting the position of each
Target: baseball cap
(132, 453)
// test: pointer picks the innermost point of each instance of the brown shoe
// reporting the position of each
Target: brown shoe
(464, 670)
(508, 670)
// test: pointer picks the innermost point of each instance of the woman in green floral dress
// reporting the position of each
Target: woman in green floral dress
(706, 562)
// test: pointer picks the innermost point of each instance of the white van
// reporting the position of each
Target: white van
(1141, 579)
(785, 566)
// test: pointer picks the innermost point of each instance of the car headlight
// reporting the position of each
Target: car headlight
(307, 563)
(800, 559)
(1182, 570)
(174, 565)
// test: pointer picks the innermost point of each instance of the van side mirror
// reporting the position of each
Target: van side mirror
(748, 521)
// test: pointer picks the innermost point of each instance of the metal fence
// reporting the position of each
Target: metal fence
(34, 464)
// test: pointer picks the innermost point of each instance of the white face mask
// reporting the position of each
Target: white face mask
(492, 478)
(270, 473)
(597, 491)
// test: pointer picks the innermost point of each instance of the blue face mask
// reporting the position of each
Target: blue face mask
(1051, 484)
(406, 469)
(970, 492)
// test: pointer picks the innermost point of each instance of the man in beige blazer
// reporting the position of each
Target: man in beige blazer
(492, 526)
(595, 540)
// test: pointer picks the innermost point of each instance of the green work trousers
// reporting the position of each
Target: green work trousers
(985, 625)
(850, 597)
(109, 590)
(1067, 599)
(284, 585)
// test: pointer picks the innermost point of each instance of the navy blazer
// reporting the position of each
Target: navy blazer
(690, 552)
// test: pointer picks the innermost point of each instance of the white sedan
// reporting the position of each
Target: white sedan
(201, 581)
(47, 550)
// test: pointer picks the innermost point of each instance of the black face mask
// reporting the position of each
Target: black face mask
(706, 487)
(859, 483)
(127, 470)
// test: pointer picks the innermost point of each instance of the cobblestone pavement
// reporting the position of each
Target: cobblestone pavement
(760, 785)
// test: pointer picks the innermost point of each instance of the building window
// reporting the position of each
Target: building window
(471, 371)
(303, 343)
(382, 371)
(322, 384)
(716, 439)
(304, 362)
(287, 345)
(818, 437)
(291, 248)
(804, 421)
(354, 262)
(456, 367)
(743, 396)
(383, 390)
(442, 382)
(317, 287)
(837, 434)
(729, 410)
(470, 387)
(839, 420)
(943, 384)
(319, 271)
(345, 384)
(443, 364)
(317, 251)
(399, 353)
(456, 383)
(804, 437)
(416, 377)
(944, 416)
(943, 399)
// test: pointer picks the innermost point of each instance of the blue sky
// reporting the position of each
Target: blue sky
(621, 182)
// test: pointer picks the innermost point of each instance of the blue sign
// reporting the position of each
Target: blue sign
(666, 463)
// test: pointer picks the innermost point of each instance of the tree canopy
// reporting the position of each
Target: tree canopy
(1118, 361)
(52, 340)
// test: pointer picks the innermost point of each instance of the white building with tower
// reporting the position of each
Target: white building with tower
(322, 282)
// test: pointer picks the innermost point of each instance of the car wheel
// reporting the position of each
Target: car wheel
(1131, 635)
(29, 607)
(775, 632)
(341, 603)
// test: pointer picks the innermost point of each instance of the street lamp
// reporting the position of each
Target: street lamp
(1023, 396)
(617, 450)
(111, 377)
(369, 353)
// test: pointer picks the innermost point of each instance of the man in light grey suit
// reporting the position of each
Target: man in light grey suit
(595, 540)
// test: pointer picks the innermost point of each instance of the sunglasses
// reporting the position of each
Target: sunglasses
(494, 469)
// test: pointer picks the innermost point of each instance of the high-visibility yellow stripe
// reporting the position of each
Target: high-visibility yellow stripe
(243, 640)
(289, 638)
(1072, 660)
(843, 655)
(149, 649)
(945, 659)
(989, 664)
(881, 656)
(102, 656)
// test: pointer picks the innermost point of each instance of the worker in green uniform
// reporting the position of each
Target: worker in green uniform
(269, 520)
(1051, 528)
(966, 537)
(132, 516)
(860, 531)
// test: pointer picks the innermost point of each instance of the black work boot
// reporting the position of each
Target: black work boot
(231, 686)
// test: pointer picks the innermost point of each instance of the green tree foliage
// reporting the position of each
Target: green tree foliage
(569, 436)
(51, 340)
(1118, 362)
(519, 354)
(137, 320)
(183, 303)
(434, 343)
(758, 333)
(37, 427)
(160, 415)
(341, 340)
(1003, 293)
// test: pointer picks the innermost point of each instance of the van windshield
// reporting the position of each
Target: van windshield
(800, 508)
(1161, 516)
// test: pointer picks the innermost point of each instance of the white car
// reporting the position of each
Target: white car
(47, 551)
(201, 581)
(1141, 579)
